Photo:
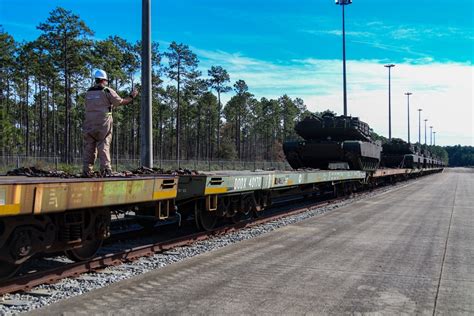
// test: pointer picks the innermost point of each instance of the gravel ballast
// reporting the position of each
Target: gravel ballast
(48, 294)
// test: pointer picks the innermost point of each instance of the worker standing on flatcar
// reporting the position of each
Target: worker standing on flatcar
(98, 123)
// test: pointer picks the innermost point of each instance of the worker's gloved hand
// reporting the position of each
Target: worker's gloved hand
(134, 93)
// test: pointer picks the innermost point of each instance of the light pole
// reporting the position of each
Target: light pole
(146, 148)
(408, 94)
(419, 126)
(343, 3)
(431, 135)
(389, 66)
(434, 138)
(425, 130)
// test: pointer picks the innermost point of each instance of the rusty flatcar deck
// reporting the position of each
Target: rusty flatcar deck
(31, 180)
(21, 195)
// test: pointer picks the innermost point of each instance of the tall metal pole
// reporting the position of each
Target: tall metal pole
(431, 135)
(146, 152)
(434, 138)
(343, 3)
(344, 60)
(408, 94)
(419, 126)
(425, 130)
(389, 102)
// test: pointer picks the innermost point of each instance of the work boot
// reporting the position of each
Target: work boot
(106, 173)
(87, 174)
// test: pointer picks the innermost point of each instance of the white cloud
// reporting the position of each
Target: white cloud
(442, 90)
(339, 33)
(377, 34)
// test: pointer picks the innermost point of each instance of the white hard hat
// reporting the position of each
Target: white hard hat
(100, 74)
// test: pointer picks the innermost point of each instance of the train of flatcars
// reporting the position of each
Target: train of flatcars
(48, 215)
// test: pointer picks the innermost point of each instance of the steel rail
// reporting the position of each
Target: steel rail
(53, 275)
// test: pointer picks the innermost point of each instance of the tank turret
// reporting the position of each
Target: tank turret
(337, 128)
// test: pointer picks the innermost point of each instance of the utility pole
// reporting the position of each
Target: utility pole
(434, 138)
(419, 126)
(389, 66)
(343, 3)
(425, 130)
(408, 94)
(431, 135)
(146, 152)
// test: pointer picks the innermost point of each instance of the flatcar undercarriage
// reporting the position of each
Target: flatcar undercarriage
(207, 199)
(79, 233)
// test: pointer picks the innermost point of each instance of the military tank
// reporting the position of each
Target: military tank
(399, 154)
(333, 142)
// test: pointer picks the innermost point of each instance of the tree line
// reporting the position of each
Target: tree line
(43, 84)
(460, 155)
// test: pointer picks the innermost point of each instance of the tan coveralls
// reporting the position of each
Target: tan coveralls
(97, 128)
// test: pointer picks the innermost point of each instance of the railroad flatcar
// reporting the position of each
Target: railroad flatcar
(47, 215)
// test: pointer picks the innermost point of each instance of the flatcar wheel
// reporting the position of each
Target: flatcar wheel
(244, 214)
(205, 220)
(7, 270)
(86, 252)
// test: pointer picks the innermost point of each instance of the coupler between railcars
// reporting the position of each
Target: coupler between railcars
(148, 215)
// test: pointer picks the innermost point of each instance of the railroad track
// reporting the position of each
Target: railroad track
(52, 275)
(70, 270)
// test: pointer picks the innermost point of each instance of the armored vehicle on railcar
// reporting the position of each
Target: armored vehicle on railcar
(333, 142)
(399, 154)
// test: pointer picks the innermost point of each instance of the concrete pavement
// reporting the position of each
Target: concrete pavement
(410, 250)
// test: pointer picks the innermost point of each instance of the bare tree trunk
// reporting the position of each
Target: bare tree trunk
(41, 127)
(47, 124)
(66, 120)
(198, 134)
(160, 117)
(35, 119)
(218, 122)
(209, 134)
(54, 126)
(69, 122)
(178, 116)
(27, 118)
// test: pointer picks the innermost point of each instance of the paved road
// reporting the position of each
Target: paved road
(410, 250)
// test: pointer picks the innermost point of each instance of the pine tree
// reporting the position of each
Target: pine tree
(218, 80)
(68, 43)
(182, 68)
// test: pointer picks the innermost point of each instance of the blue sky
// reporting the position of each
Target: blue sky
(294, 47)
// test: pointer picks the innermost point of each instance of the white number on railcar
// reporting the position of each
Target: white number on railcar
(247, 183)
